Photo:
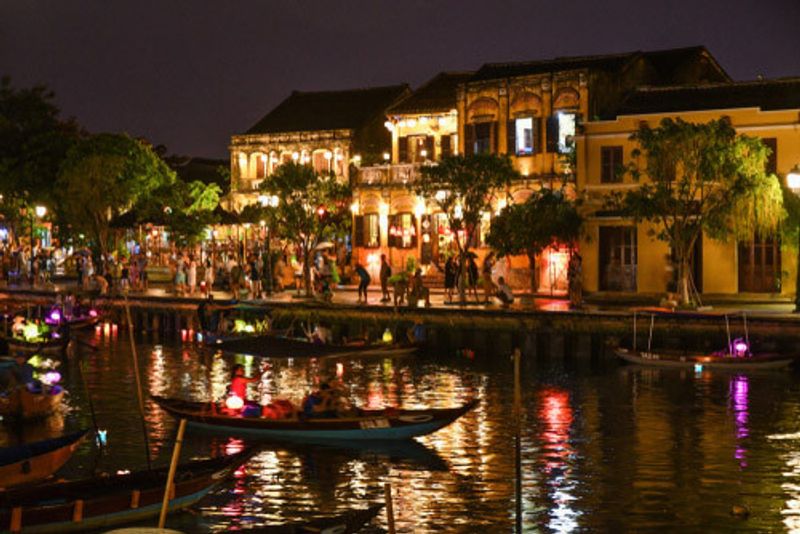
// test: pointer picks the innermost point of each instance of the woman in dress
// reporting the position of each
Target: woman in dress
(191, 274)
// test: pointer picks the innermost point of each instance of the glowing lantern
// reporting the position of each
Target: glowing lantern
(234, 402)
(51, 377)
(740, 348)
(698, 368)
(387, 336)
(102, 437)
(55, 316)
(92, 313)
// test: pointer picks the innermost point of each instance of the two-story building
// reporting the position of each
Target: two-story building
(621, 256)
(330, 130)
(388, 217)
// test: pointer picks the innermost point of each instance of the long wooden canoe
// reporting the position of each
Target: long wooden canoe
(707, 361)
(22, 404)
(345, 523)
(285, 347)
(364, 425)
(104, 501)
(32, 462)
(52, 346)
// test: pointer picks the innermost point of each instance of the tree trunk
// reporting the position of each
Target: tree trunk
(683, 281)
(307, 270)
(534, 272)
(462, 278)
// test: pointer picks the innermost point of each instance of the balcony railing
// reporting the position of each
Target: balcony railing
(400, 174)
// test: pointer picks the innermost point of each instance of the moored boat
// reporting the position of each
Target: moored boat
(21, 404)
(706, 361)
(389, 424)
(52, 346)
(348, 522)
(285, 347)
(104, 501)
(36, 461)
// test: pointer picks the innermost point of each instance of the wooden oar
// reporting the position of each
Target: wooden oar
(173, 466)
(138, 383)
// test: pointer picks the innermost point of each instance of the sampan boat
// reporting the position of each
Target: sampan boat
(707, 361)
(386, 424)
(345, 523)
(36, 461)
(52, 346)
(21, 404)
(104, 501)
(276, 346)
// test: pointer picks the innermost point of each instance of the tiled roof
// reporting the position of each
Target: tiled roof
(782, 93)
(665, 62)
(437, 95)
(329, 110)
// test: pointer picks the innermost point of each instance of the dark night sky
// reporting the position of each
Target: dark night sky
(189, 74)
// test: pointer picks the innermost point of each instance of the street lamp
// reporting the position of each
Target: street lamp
(793, 182)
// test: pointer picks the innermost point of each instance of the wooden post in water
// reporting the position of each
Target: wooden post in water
(173, 466)
(387, 494)
(138, 383)
(517, 440)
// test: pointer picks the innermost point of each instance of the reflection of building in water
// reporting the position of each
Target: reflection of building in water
(556, 416)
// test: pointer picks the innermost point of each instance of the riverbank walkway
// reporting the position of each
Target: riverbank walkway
(347, 297)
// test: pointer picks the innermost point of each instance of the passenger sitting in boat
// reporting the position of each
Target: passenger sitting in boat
(21, 374)
(239, 382)
(321, 335)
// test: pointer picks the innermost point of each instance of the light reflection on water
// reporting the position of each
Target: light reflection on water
(605, 448)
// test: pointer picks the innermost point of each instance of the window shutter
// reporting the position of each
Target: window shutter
(358, 230)
(494, 141)
(552, 134)
(511, 135)
(392, 224)
(445, 144)
(429, 147)
(414, 235)
(771, 165)
(537, 135)
(469, 139)
(402, 149)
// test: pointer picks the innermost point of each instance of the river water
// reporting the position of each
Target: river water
(604, 447)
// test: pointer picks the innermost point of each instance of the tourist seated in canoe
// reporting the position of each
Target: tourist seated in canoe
(327, 401)
(321, 335)
(239, 382)
(417, 335)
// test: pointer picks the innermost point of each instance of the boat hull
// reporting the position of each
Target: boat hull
(33, 462)
(369, 425)
(283, 347)
(707, 361)
(109, 501)
(53, 347)
(21, 404)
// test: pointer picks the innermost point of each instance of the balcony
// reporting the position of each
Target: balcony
(398, 175)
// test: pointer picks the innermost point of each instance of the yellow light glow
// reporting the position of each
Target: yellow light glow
(411, 123)
(354, 207)
(389, 125)
(423, 153)
(386, 156)
(263, 157)
(295, 156)
(328, 155)
(41, 211)
(419, 207)
(793, 178)
(383, 209)
(501, 205)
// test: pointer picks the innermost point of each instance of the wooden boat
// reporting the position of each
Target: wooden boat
(736, 356)
(390, 424)
(22, 404)
(104, 501)
(32, 462)
(53, 346)
(345, 523)
(705, 361)
(284, 347)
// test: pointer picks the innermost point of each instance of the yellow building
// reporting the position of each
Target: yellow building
(620, 256)
(329, 130)
(529, 110)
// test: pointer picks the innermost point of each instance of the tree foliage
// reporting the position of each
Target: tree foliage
(311, 209)
(701, 178)
(34, 141)
(548, 218)
(463, 188)
(105, 175)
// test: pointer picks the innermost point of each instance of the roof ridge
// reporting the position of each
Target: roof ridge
(352, 90)
(716, 85)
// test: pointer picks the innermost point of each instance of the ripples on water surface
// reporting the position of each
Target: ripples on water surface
(604, 447)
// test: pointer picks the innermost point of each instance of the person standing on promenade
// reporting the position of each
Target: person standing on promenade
(450, 277)
(575, 280)
(191, 275)
(386, 272)
(364, 280)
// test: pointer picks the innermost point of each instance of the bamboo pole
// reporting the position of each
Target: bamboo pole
(517, 440)
(387, 494)
(138, 383)
(173, 466)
